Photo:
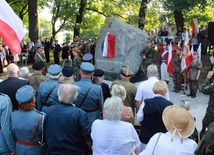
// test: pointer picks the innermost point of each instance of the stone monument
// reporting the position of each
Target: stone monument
(129, 42)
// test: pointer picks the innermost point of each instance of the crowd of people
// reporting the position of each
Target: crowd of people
(68, 109)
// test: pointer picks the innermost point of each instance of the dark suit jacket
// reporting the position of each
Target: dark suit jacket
(10, 86)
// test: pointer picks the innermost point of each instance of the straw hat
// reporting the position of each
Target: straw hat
(178, 121)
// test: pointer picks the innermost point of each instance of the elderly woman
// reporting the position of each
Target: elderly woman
(150, 113)
(194, 74)
(127, 114)
(27, 124)
(180, 125)
(112, 136)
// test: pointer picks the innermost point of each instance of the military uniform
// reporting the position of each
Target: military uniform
(7, 142)
(150, 55)
(93, 104)
(130, 87)
(39, 56)
(46, 87)
(35, 79)
(24, 130)
(27, 124)
(76, 67)
(195, 66)
(177, 78)
(208, 89)
(130, 91)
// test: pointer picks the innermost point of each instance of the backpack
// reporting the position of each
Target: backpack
(206, 145)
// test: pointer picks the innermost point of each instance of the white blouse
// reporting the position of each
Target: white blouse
(166, 147)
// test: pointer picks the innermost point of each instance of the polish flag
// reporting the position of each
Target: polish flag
(192, 50)
(187, 57)
(169, 62)
(199, 51)
(109, 46)
(11, 30)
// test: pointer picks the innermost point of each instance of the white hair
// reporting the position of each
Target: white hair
(119, 91)
(67, 93)
(24, 72)
(12, 70)
(113, 108)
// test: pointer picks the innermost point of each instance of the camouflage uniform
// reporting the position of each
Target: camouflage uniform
(150, 55)
(177, 78)
(76, 67)
(195, 66)
(208, 89)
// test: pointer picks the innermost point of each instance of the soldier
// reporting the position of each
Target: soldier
(7, 142)
(177, 78)
(193, 74)
(208, 89)
(76, 64)
(148, 56)
(125, 75)
(56, 51)
(67, 73)
(88, 57)
(47, 93)
(39, 56)
(27, 124)
(37, 77)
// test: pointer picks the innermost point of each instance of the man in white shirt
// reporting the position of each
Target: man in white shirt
(144, 90)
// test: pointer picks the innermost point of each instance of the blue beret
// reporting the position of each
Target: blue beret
(86, 67)
(25, 94)
(67, 71)
(87, 57)
(54, 69)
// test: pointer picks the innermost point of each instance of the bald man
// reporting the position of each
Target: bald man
(12, 84)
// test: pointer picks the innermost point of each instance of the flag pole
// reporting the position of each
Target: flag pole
(185, 80)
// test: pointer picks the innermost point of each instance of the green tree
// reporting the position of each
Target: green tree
(181, 7)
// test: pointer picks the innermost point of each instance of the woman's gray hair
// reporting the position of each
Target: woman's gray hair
(160, 87)
(67, 93)
(119, 91)
(113, 108)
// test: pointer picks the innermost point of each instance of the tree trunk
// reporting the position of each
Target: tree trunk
(179, 19)
(142, 14)
(33, 20)
(79, 17)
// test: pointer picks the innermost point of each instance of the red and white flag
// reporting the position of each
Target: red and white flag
(192, 50)
(199, 51)
(169, 61)
(109, 46)
(11, 30)
(186, 59)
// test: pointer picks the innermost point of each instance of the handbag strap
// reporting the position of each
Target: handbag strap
(85, 96)
(37, 127)
(156, 142)
(50, 92)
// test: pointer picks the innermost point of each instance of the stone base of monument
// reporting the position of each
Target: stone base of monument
(139, 76)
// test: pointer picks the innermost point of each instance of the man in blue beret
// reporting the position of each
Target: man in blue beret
(7, 142)
(47, 93)
(88, 57)
(90, 97)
